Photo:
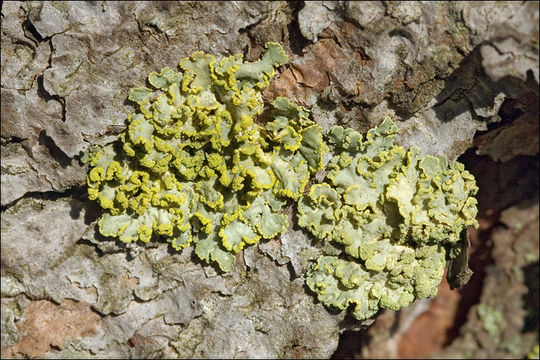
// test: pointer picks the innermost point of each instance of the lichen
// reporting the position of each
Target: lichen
(534, 353)
(194, 167)
(491, 319)
(398, 217)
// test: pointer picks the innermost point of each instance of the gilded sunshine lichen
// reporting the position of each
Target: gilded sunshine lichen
(194, 167)
(395, 214)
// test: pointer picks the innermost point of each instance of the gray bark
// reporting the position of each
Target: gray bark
(441, 70)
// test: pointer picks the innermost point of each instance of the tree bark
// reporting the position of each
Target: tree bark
(454, 76)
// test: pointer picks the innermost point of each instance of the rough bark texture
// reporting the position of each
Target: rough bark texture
(453, 75)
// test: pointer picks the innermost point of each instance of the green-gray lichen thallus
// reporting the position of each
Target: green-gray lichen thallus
(195, 168)
(397, 216)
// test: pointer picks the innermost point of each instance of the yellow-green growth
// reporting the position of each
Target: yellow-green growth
(395, 214)
(534, 354)
(491, 319)
(194, 167)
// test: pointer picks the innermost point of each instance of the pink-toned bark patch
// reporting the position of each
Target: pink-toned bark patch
(47, 325)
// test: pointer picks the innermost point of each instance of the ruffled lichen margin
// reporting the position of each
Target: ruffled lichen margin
(193, 167)
(397, 216)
